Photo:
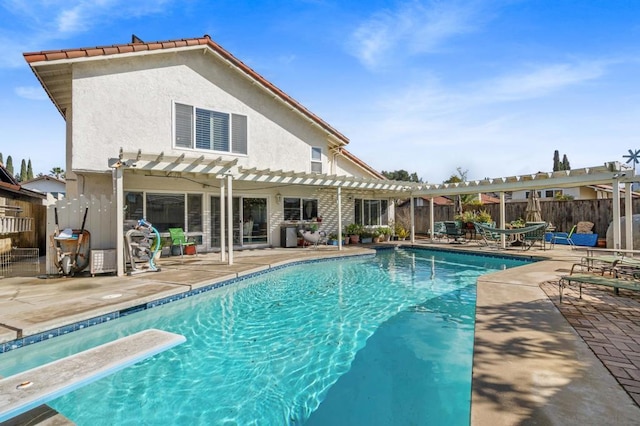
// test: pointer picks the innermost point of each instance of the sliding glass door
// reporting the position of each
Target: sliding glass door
(249, 222)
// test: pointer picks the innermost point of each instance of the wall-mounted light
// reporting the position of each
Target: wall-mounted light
(278, 197)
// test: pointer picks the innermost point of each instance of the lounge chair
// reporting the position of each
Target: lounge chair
(454, 231)
(179, 239)
(602, 280)
(488, 236)
(563, 236)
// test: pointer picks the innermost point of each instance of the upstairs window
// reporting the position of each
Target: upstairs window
(199, 128)
(316, 159)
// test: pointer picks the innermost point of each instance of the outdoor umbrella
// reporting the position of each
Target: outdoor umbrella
(533, 211)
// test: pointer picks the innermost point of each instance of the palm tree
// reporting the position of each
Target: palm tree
(57, 172)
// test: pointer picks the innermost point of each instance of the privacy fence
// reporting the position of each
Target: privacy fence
(563, 214)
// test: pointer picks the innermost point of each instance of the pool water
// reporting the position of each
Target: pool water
(385, 339)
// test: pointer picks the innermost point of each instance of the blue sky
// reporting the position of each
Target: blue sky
(493, 87)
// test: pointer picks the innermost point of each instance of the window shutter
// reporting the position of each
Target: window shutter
(184, 125)
(239, 133)
(204, 129)
(220, 131)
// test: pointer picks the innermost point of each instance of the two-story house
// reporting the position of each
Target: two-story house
(187, 135)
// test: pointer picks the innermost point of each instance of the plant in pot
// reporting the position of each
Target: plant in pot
(401, 232)
(466, 218)
(366, 237)
(385, 233)
(354, 230)
(332, 239)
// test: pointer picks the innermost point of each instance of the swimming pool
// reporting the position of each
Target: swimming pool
(385, 339)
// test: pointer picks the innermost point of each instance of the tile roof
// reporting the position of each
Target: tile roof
(35, 58)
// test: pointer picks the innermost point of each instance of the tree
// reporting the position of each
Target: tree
(1, 160)
(402, 175)
(461, 176)
(23, 171)
(9, 165)
(57, 172)
(29, 170)
(560, 165)
(556, 161)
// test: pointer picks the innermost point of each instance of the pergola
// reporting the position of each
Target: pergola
(228, 171)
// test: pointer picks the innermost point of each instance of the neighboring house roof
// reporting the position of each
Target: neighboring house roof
(9, 185)
(56, 80)
(609, 188)
(44, 178)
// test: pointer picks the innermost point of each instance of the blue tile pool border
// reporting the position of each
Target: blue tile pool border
(61, 331)
(66, 329)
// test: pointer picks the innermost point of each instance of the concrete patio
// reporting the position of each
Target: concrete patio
(530, 365)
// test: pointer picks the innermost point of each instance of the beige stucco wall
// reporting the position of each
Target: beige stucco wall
(129, 104)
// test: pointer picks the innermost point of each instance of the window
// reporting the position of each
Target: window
(371, 212)
(165, 211)
(199, 128)
(316, 159)
(300, 209)
(552, 193)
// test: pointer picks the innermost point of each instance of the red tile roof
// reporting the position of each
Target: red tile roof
(53, 55)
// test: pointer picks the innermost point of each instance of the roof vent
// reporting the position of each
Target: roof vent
(136, 39)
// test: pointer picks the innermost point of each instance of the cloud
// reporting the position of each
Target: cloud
(32, 24)
(429, 97)
(413, 28)
(31, 92)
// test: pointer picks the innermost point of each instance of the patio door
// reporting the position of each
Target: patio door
(249, 222)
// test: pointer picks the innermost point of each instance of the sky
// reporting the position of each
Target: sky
(489, 88)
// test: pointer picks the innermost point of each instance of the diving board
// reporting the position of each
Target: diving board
(32, 388)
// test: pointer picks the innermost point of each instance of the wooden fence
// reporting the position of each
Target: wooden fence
(563, 214)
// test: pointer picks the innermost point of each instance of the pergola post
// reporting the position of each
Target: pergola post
(223, 248)
(339, 200)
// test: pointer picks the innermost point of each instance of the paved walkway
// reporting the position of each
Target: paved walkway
(610, 326)
(530, 366)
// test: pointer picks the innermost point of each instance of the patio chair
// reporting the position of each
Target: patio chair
(314, 237)
(563, 236)
(529, 238)
(488, 236)
(179, 239)
(454, 231)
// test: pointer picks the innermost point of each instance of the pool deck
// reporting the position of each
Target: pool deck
(531, 366)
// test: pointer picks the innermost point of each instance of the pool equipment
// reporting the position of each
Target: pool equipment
(71, 247)
(142, 244)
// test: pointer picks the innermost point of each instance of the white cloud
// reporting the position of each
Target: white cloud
(413, 28)
(31, 92)
(35, 23)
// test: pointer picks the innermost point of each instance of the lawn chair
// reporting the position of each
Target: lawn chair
(563, 236)
(314, 237)
(179, 239)
(529, 238)
(454, 231)
(488, 236)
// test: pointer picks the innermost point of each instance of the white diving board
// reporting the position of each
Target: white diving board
(32, 388)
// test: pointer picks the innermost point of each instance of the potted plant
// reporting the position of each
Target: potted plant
(401, 232)
(354, 230)
(332, 239)
(366, 237)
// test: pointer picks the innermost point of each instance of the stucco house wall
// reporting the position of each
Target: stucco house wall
(127, 102)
